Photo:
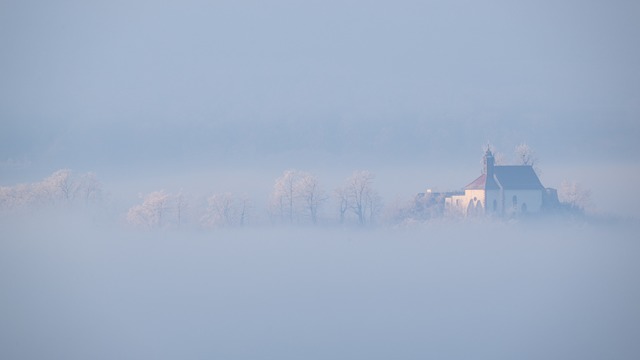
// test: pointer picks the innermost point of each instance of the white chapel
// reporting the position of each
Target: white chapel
(501, 190)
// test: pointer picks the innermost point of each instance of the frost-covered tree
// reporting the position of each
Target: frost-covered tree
(151, 213)
(16, 198)
(181, 204)
(244, 208)
(343, 202)
(296, 194)
(221, 211)
(225, 210)
(283, 195)
(59, 186)
(574, 195)
(63, 187)
(308, 195)
(525, 155)
(360, 198)
(7, 198)
(90, 187)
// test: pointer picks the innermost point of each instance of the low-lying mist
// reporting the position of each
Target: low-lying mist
(444, 289)
(268, 180)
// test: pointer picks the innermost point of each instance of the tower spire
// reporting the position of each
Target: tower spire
(489, 162)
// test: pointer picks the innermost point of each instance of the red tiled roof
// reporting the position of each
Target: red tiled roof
(477, 184)
(482, 183)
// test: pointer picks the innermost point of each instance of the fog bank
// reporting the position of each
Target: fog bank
(486, 290)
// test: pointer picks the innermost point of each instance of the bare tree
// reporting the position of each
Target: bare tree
(181, 204)
(343, 200)
(59, 186)
(221, 211)
(360, 197)
(244, 207)
(297, 194)
(525, 155)
(374, 202)
(574, 195)
(151, 212)
(308, 195)
(66, 186)
(283, 195)
(63, 187)
(226, 210)
(90, 187)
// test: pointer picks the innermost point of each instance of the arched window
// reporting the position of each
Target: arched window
(495, 205)
(515, 201)
(471, 208)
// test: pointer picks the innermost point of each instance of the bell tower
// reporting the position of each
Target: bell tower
(489, 162)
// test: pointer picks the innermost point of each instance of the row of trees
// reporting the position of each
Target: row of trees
(62, 188)
(160, 209)
(296, 198)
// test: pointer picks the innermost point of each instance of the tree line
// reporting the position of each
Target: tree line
(62, 188)
(297, 198)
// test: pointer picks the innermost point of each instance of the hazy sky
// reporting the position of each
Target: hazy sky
(115, 83)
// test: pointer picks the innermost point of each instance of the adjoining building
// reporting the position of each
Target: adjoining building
(502, 191)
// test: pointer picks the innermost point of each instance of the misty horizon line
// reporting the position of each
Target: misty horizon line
(305, 202)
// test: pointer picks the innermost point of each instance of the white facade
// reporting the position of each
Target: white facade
(495, 202)
(501, 191)
(522, 201)
(471, 203)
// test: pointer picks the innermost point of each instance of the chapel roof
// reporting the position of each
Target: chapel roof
(517, 177)
(512, 177)
(481, 183)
